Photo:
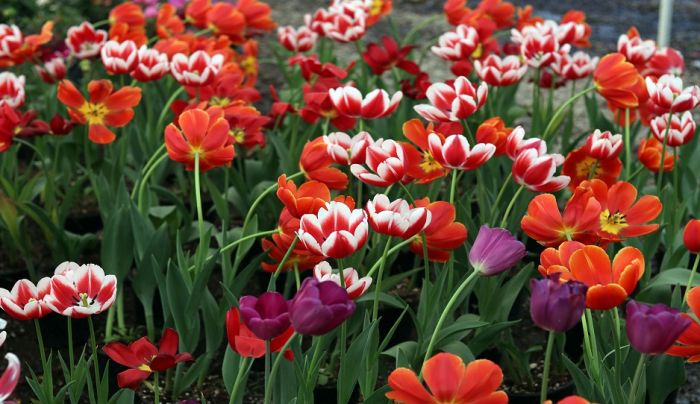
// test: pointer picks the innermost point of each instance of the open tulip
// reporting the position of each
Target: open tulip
(384, 57)
(653, 329)
(80, 291)
(144, 358)
(556, 306)
(452, 102)
(396, 218)
(25, 300)
(336, 231)
(377, 104)
(119, 57)
(319, 307)
(668, 94)
(354, 285)
(454, 152)
(687, 345)
(442, 235)
(197, 70)
(152, 65)
(497, 71)
(681, 131)
(11, 90)
(495, 250)
(265, 315)
(387, 161)
(84, 41)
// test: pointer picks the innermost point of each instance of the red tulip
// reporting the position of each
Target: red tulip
(442, 235)
(336, 231)
(152, 65)
(459, 44)
(574, 67)
(603, 145)
(691, 236)
(354, 285)
(636, 50)
(454, 152)
(248, 345)
(119, 58)
(301, 39)
(11, 90)
(452, 102)
(84, 41)
(384, 57)
(396, 218)
(342, 21)
(377, 104)
(537, 171)
(196, 70)
(25, 300)
(497, 71)
(80, 291)
(387, 161)
(347, 150)
(668, 94)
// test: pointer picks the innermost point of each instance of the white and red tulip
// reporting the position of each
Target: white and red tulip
(80, 291)
(347, 150)
(516, 143)
(119, 57)
(668, 94)
(377, 104)
(603, 145)
(500, 72)
(197, 70)
(457, 45)
(396, 218)
(386, 161)
(25, 300)
(343, 21)
(635, 49)
(453, 102)
(11, 39)
(574, 67)
(84, 41)
(53, 69)
(11, 90)
(10, 377)
(336, 231)
(455, 152)
(353, 284)
(536, 171)
(152, 65)
(681, 131)
(300, 39)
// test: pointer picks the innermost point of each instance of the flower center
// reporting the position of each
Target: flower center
(429, 164)
(84, 300)
(237, 134)
(585, 166)
(219, 101)
(329, 113)
(144, 367)
(94, 113)
(376, 7)
(248, 65)
(612, 223)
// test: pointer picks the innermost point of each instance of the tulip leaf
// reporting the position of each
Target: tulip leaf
(664, 375)
(407, 349)
(351, 368)
(671, 277)
(117, 243)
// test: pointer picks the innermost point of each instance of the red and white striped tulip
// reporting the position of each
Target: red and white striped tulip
(574, 67)
(396, 218)
(354, 285)
(152, 65)
(197, 70)
(343, 21)
(25, 300)
(336, 231)
(635, 49)
(347, 150)
(570, 32)
(79, 291)
(536, 171)
(516, 143)
(457, 45)
(300, 39)
(669, 95)
(500, 72)
(11, 90)
(84, 41)
(11, 39)
(603, 145)
(681, 131)
(453, 102)
(387, 164)
(10, 377)
(539, 43)
(455, 152)
(119, 57)
(53, 69)
(377, 104)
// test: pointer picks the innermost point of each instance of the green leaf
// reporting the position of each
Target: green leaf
(671, 277)
(351, 367)
(664, 375)
(117, 243)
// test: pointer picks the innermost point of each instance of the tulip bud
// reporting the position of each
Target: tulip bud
(495, 250)
(319, 307)
(691, 236)
(266, 315)
(557, 306)
(653, 329)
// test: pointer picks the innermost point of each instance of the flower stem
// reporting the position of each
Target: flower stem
(547, 364)
(445, 312)
(243, 367)
(504, 222)
(453, 186)
(156, 388)
(95, 362)
(378, 287)
(501, 192)
(283, 261)
(628, 145)
(200, 216)
(393, 249)
(268, 381)
(71, 356)
(663, 153)
(277, 362)
(40, 341)
(556, 118)
(637, 378)
(690, 279)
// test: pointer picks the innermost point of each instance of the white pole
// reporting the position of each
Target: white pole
(665, 22)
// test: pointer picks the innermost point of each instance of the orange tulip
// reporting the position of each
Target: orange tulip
(620, 215)
(104, 108)
(196, 13)
(203, 133)
(579, 164)
(300, 258)
(316, 164)
(688, 344)
(128, 13)
(649, 154)
(225, 19)
(579, 221)
(608, 285)
(494, 131)
(425, 168)
(449, 381)
(442, 235)
(619, 82)
(377, 10)
(308, 198)
(258, 16)
(168, 23)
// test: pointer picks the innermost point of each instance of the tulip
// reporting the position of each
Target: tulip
(79, 291)
(377, 104)
(198, 69)
(25, 300)
(52, 68)
(388, 162)
(459, 44)
(557, 306)
(347, 150)
(354, 285)
(454, 152)
(574, 67)
(301, 39)
(495, 132)
(516, 143)
(636, 50)
(664, 61)
(603, 145)
(653, 329)
(536, 171)
(10, 377)
(495, 250)
(84, 41)
(342, 22)
(388, 55)
(119, 58)
(11, 90)
(245, 343)
(396, 218)
(681, 131)
(319, 307)
(452, 102)
(691, 236)
(266, 315)
(619, 82)
(336, 231)
(11, 39)
(669, 95)
(152, 65)
(497, 71)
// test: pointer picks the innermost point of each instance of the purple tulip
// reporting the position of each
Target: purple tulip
(319, 307)
(653, 329)
(266, 316)
(495, 250)
(557, 306)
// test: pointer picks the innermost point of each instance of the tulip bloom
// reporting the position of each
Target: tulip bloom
(79, 291)
(347, 150)
(119, 57)
(301, 39)
(342, 22)
(452, 102)
(144, 358)
(495, 250)
(620, 215)
(266, 315)
(319, 307)
(201, 132)
(574, 67)
(603, 145)
(396, 218)
(316, 164)
(377, 104)
(556, 306)
(384, 57)
(152, 65)
(84, 41)
(664, 61)
(248, 345)
(579, 221)
(619, 82)
(388, 163)
(310, 197)
(500, 72)
(687, 345)
(52, 68)
(300, 258)
(681, 131)
(196, 70)
(691, 236)
(516, 143)
(354, 285)
(442, 235)
(26, 301)
(579, 166)
(459, 44)
(608, 285)
(539, 45)
(318, 105)
(10, 377)
(449, 381)
(652, 330)
(495, 132)
(336, 231)
(668, 94)
(11, 90)
(426, 169)
(535, 171)
(635, 49)
(454, 152)
(104, 108)
(649, 154)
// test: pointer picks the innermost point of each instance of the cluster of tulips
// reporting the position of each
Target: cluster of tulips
(409, 217)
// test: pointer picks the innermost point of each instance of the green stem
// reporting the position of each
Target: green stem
(268, 380)
(504, 221)
(554, 122)
(589, 342)
(140, 189)
(453, 186)
(378, 287)
(615, 320)
(198, 198)
(663, 153)
(637, 378)
(282, 262)
(164, 112)
(446, 311)
(497, 202)
(95, 362)
(156, 388)
(277, 362)
(40, 341)
(690, 279)
(547, 364)
(393, 250)
(628, 144)
(71, 356)
(121, 323)
(243, 368)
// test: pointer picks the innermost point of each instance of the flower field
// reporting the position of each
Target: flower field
(199, 203)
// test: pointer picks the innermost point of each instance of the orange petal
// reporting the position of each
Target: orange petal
(443, 374)
(126, 97)
(99, 90)
(481, 380)
(69, 95)
(604, 297)
(621, 196)
(406, 388)
(194, 124)
(119, 118)
(100, 134)
(628, 257)
(591, 266)
(647, 208)
(694, 300)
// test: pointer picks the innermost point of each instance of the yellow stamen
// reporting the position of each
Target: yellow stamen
(612, 223)
(94, 113)
(429, 164)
